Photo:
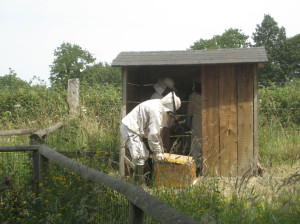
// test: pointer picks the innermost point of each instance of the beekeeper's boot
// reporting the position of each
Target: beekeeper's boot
(139, 174)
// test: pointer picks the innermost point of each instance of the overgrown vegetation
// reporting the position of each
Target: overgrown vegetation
(66, 198)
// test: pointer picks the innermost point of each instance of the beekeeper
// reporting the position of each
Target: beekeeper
(162, 88)
(194, 123)
(146, 121)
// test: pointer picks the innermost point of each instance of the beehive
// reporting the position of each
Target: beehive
(175, 171)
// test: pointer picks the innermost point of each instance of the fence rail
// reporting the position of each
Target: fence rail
(17, 132)
(140, 201)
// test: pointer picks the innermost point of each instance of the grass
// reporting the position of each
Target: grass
(279, 145)
(67, 198)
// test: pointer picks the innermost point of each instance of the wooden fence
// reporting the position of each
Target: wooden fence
(140, 201)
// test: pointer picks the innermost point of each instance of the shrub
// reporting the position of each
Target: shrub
(280, 104)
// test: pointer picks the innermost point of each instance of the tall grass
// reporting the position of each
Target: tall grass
(66, 198)
(279, 145)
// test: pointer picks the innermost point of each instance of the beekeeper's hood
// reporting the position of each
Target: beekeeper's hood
(171, 100)
(162, 84)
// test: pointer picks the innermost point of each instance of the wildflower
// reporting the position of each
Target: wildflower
(41, 185)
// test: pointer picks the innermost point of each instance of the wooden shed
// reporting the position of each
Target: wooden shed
(229, 81)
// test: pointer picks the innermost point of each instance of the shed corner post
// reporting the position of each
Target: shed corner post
(123, 114)
(255, 121)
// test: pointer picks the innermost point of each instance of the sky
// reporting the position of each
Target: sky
(30, 30)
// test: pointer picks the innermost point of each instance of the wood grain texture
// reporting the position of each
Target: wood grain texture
(255, 121)
(245, 117)
(210, 119)
(228, 120)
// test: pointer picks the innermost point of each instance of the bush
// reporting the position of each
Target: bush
(280, 104)
(29, 104)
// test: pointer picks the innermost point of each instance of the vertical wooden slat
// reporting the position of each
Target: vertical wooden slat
(255, 118)
(228, 120)
(123, 114)
(245, 117)
(210, 119)
(136, 215)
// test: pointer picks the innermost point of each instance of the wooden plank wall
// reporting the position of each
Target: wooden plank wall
(227, 117)
(245, 117)
(210, 119)
(228, 120)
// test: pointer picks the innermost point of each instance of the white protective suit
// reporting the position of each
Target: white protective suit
(161, 86)
(146, 120)
(195, 110)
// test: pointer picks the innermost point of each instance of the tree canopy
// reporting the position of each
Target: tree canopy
(231, 38)
(283, 53)
(291, 56)
(70, 62)
(12, 81)
(273, 38)
(101, 73)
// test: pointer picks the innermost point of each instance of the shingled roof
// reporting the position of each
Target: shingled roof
(197, 57)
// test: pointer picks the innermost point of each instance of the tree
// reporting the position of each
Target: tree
(70, 62)
(273, 38)
(12, 81)
(291, 55)
(102, 73)
(232, 38)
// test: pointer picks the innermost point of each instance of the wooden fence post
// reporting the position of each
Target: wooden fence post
(136, 215)
(43, 168)
(73, 96)
(40, 164)
(36, 169)
(40, 169)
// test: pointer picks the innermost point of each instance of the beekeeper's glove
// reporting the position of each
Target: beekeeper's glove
(159, 156)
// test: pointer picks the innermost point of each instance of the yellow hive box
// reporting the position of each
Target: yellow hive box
(175, 171)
